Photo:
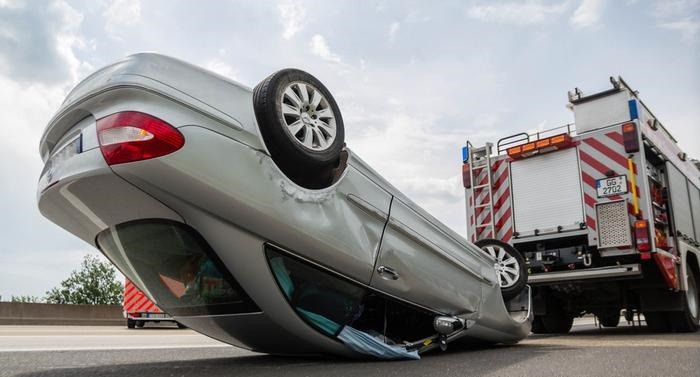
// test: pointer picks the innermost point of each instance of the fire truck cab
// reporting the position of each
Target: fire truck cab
(606, 213)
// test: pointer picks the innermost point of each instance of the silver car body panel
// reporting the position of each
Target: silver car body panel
(223, 184)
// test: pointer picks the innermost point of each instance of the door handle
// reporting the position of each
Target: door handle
(390, 272)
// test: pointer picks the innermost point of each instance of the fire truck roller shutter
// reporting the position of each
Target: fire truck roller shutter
(680, 202)
(547, 193)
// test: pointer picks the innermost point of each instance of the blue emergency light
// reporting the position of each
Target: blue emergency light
(465, 154)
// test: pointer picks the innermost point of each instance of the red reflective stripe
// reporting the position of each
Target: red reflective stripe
(592, 162)
(139, 303)
(508, 235)
(500, 180)
(147, 306)
(504, 197)
(605, 150)
(587, 179)
(503, 220)
(615, 136)
(134, 303)
(590, 201)
(590, 222)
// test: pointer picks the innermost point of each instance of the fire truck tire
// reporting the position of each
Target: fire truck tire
(557, 323)
(556, 320)
(609, 319)
(657, 321)
(510, 266)
(140, 324)
(687, 319)
(130, 323)
(538, 326)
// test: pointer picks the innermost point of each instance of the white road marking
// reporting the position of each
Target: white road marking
(114, 348)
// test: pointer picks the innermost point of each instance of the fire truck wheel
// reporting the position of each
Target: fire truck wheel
(538, 326)
(687, 319)
(510, 266)
(609, 319)
(130, 323)
(557, 323)
(140, 324)
(657, 321)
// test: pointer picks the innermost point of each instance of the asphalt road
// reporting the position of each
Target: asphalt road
(115, 351)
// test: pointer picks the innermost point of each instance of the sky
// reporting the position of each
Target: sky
(413, 79)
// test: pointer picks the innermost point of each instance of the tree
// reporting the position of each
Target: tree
(25, 299)
(95, 283)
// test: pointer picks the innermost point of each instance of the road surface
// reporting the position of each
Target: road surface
(115, 351)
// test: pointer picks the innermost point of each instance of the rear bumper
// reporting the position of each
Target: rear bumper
(609, 273)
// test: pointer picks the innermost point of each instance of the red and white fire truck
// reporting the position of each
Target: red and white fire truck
(606, 213)
(139, 309)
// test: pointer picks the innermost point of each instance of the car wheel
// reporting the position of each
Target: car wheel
(130, 323)
(510, 266)
(687, 319)
(611, 319)
(301, 125)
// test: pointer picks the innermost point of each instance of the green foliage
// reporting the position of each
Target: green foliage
(95, 283)
(25, 299)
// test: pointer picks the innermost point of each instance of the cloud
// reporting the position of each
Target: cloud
(320, 48)
(679, 15)
(120, 15)
(292, 14)
(37, 42)
(587, 15)
(515, 13)
(393, 30)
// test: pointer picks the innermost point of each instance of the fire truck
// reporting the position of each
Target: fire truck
(605, 211)
(139, 309)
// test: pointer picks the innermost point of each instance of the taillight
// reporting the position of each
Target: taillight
(133, 136)
(466, 176)
(641, 234)
(629, 137)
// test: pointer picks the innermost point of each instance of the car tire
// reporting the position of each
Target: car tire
(301, 125)
(609, 319)
(510, 266)
(687, 320)
(130, 323)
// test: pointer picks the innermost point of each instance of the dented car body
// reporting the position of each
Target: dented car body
(220, 238)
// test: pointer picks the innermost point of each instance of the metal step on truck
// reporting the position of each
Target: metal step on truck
(606, 213)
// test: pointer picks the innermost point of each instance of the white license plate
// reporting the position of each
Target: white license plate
(155, 315)
(611, 186)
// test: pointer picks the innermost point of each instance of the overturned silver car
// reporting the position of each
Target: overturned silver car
(243, 215)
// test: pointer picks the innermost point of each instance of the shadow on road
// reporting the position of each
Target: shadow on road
(457, 361)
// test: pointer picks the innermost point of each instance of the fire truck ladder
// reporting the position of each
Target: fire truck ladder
(480, 159)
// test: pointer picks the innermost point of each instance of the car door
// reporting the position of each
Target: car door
(427, 265)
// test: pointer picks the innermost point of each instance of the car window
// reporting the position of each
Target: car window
(175, 266)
